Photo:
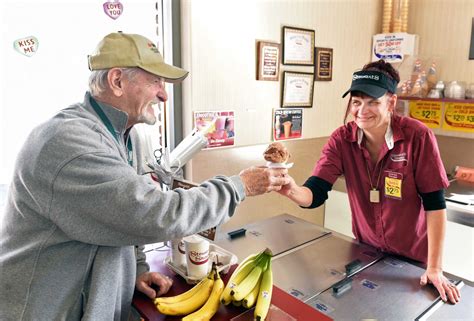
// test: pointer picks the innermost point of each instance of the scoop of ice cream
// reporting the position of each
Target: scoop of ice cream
(276, 153)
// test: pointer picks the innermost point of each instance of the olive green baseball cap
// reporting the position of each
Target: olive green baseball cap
(122, 50)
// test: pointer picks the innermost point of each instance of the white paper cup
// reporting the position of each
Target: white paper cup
(197, 256)
(178, 254)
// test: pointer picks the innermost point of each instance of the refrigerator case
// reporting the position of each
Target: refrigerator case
(279, 233)
(463, 310)
(387, 290)
(308, 271)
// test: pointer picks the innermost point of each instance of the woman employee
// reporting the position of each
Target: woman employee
(393, 172)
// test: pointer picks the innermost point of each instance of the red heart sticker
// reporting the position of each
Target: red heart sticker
(26, 46)
(113, 9)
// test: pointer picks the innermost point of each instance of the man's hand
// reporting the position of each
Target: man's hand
(446, 289)
(145, 280)
(260, 180)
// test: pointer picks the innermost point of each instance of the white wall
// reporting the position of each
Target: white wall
(444, 28)
(32, 89)
(219, 40)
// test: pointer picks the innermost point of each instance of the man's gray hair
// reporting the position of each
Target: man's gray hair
(98, 79)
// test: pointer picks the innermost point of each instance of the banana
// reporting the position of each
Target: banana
(192, 303)
(265, 295)
(239, 274)
(211, 306)
(251, 298)
(237, 303)
(185, 295)
(243, 288)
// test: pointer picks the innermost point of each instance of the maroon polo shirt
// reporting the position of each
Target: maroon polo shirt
(395, 225)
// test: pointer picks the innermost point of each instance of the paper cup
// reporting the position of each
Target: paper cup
(197, 256)
(178, 254)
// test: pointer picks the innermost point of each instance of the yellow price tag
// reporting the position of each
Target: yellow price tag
(393, 187)
(459, 117)
(428, 112)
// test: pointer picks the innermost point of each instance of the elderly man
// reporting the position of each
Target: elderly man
(77, 208)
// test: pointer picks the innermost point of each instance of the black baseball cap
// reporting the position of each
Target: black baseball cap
(372, 83)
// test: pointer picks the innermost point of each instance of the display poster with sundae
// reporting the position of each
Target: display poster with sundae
(218, 127)
(287, 124)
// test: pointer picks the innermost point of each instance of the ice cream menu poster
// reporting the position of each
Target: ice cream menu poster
(218, 127)
(287, 124)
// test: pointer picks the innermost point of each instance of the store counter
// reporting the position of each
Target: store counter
(280, 233)
(322, 275)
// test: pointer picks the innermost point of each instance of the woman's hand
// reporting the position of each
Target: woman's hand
(446, 289)
(287, 189)
(147, 279)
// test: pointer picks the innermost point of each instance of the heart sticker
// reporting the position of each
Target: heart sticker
(113, 9)
(26, 46)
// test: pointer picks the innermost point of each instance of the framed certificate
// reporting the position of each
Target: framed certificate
(298, 46)
(323, 64)
(268, 61)
(297, 89)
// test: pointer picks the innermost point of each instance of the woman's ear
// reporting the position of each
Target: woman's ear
(392, 103)
(114, 80)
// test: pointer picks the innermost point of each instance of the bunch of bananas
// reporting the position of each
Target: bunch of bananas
(251, 282)
(201, 302)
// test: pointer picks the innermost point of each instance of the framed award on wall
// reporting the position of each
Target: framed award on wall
(298, 46)
(297, 89)
(323, 64)
(268, 61)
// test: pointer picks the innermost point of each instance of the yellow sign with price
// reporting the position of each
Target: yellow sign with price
(393, 187)
(459, 117)
(428, 112)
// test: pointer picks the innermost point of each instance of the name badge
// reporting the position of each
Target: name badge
(393, 185)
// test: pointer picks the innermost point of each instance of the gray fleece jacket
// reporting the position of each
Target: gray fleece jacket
(75, 212)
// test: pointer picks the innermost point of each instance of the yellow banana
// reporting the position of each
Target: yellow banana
(185, 295)
(265, 294)
(239, 274)
(243, 288)
(251, 298)
(211, 306)
(236, 303)
(189, 305)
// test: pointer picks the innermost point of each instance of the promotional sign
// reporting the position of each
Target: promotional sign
(428, 112)
(219, 127)
(394, 46)
(459, 117)
(287, 124)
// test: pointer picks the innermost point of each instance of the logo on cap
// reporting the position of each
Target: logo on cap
(153, 47)
(374, 77)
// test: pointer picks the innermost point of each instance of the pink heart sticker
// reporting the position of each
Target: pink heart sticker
(113, 9)
(26, 46)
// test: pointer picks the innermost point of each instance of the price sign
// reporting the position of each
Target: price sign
(428, 112)
(459, 117)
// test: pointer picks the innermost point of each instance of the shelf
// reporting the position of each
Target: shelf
(445, 100)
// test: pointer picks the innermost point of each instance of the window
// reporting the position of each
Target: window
(33, 89)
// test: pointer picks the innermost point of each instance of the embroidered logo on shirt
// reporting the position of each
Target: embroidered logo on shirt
(399, 157)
